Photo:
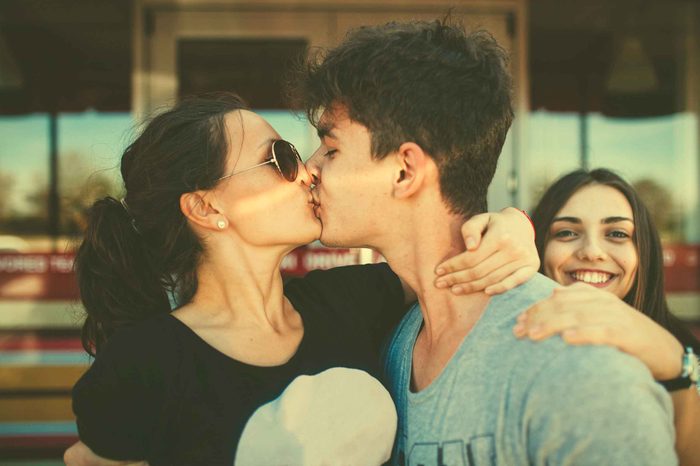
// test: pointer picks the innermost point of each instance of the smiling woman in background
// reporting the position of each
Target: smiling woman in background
(594, 233)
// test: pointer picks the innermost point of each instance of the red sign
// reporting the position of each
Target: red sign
(682, 267)
(305, 259)
(37, 276)
(50, 276)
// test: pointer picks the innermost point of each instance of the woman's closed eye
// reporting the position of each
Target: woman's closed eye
(329, 153)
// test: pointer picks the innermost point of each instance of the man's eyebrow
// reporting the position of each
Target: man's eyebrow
(608, 220)
(325, 131)
(567, 219)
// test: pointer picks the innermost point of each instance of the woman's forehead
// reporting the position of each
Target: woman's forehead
(247, 133)
(597, 201)
(248, 127)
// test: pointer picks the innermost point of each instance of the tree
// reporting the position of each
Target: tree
(7, 183)
(659, 202)
(79, 185)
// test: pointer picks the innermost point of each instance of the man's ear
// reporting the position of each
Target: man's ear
(411, 171)
(198, 209)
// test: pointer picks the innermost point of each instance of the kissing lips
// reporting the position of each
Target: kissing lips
(316, 204)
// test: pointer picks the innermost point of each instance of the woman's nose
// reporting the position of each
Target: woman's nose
(304, 176)
(591, 250)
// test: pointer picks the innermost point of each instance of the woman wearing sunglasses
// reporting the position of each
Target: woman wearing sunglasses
(247, 368)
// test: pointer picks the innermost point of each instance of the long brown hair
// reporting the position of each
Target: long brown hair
(647, 292)
(140, 251)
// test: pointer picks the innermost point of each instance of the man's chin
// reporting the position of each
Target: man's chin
(331, 241)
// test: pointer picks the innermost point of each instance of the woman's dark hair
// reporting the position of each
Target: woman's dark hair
(139, 251)
(647, 292)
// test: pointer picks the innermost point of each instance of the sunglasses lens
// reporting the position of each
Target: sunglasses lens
(287, 158)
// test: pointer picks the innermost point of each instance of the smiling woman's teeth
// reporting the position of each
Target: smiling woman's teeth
(591, 277)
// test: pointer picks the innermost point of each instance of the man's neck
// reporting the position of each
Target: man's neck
(414, 254)
(427, 238)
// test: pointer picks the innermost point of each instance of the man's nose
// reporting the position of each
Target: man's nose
(314, 166)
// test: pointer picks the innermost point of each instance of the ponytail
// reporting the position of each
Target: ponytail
(117, 281)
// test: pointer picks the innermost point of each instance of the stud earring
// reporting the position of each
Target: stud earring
(221, 224)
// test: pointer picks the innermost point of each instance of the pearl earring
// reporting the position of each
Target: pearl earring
(221, 224)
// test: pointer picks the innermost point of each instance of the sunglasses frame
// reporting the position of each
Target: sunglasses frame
(272, 159)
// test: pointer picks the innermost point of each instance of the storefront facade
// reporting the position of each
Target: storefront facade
(595, 85)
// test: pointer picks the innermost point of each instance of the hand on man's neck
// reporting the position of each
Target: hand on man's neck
(428, 235)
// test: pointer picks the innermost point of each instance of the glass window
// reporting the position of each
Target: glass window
(659, 156)
(553, 149)
(255, 70)
(90, 148)
(24, 175)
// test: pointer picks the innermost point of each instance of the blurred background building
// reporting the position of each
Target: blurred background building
(597, 84)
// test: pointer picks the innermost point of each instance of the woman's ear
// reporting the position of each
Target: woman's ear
(411, 170)
(198, 209)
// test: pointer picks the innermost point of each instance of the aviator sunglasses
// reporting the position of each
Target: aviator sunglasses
(284, 156)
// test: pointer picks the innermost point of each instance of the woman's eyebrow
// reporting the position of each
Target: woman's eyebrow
(567, 219)
(268, 153)
(266, 142)
(605, 221)
(608, 220)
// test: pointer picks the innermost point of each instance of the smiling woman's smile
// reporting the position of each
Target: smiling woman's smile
(590, 240)
(597, 278)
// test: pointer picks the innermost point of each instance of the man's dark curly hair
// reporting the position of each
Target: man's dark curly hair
(431, 83)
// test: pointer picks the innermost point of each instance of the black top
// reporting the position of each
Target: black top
(158, 392)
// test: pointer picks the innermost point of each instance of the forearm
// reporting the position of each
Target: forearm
(520, 217)
(686, 408)
(80, 454)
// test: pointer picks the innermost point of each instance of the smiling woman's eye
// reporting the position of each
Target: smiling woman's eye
(564, 234)
(619, 234)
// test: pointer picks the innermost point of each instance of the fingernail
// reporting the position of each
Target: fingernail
(521, 318)
(489, 291)
(568, 333)
(440, 271)
(457, 289)
(519, 330)
(471, 243)
(535, 330)
(441, 284)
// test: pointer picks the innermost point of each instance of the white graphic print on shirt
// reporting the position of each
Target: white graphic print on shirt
(340, 416)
